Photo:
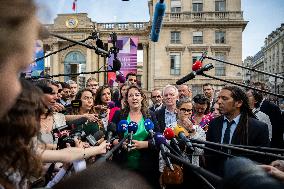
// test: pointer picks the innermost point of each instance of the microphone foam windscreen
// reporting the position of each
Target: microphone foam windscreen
(159, 139)
(197, 65)
(120, 78)
(178, 129)
(169, 133)
(149, 125)
(110, 104)
(122, 126)
(132, 127)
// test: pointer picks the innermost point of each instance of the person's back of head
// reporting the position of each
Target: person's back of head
(105, 175)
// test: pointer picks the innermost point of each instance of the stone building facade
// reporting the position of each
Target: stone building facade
(189, 28)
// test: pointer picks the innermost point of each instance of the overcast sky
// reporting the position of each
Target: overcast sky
(264, 16)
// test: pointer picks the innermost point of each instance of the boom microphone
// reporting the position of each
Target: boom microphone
(159, 13)
(198, 63)
(194, 73)
(180, 132)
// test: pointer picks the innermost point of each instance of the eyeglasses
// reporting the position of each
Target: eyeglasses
(186, 110)
(158, 96)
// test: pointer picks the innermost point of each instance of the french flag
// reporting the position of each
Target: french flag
(74, 5)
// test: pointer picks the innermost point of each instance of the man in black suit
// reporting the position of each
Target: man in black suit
(237, 125)
(275, 116)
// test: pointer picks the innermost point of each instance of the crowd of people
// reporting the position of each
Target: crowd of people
(38, 151)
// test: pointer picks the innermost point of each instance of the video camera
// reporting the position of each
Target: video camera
(68, 134)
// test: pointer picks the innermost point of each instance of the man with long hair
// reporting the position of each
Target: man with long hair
(237, 125)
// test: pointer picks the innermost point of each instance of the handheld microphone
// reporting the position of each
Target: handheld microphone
(94, 139)
(110, 105)
(180, 132)
(170, 135)
(132, 128)
(122, 127)
(149, 126)
(194, 73)
(160, 140)
(120, 77)
(159, 13)
(111, 128)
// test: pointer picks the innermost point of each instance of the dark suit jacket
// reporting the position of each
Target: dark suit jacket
(277, 122)
(160, 115)
(258, 135)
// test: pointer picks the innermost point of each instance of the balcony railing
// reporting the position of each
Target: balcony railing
(122, 26)
(206, 16)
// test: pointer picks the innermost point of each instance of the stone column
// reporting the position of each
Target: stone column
(145, 75)
(55, 64)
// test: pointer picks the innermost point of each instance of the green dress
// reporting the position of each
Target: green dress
(133, 157)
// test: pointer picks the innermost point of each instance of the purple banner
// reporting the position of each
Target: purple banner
(127, 56)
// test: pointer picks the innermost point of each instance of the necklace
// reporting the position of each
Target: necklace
(46, 123)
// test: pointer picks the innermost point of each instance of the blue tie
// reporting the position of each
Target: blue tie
(226, 139)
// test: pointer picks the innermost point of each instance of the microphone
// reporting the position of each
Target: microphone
(132, 128)
(194, 73)
(120, 77)
(170, 135)
(94, 139)
(159, 13)
(110, 105)
(111, 128)
(180, 132)
(198, 63)
(122, 127)
(149, 126)
(160, 140)
(116, 64)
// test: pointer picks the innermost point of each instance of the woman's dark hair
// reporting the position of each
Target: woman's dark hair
(75, 110)
(258, 97)
(144, 103)
(19, 127)
(202, 99)
(99, 93)
(239, 95)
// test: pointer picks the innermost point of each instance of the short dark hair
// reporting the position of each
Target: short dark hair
(207, 84)
(130, 74)
(65, 85)
(202, 99)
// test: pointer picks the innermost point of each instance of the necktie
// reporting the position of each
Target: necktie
(226, 139)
